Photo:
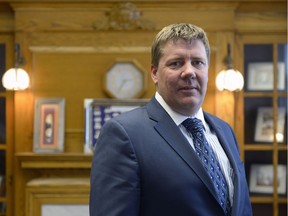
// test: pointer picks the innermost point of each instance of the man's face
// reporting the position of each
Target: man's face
(182, 75)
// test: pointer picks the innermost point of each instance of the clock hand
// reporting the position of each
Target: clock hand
(122, 84)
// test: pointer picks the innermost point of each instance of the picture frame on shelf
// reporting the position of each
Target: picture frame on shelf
(260, 76)
(2, 186)
(99, 111)
(49, 116)
(261, 178)
(264, 130)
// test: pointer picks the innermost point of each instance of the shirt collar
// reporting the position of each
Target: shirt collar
(177, 117)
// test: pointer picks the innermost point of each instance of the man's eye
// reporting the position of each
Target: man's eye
(175, 64)
(198, 64)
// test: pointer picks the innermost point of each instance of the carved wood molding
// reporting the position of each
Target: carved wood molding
(124, 16)
(86, 49)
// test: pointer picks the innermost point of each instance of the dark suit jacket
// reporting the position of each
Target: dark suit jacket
(144, 166)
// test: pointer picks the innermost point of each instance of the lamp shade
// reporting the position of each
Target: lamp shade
(15, 79)
(231, 80)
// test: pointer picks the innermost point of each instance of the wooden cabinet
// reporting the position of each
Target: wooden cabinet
(57, 186)
(3, 154)
(264, 148)
(6, 133)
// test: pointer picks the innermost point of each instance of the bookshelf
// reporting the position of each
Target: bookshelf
(264, 107)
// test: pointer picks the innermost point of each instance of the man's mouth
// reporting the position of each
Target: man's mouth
(189, 88)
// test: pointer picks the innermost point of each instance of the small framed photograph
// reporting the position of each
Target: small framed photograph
(264, 130)
(49, 125)
(99, 111)
(260, 76)
(261, 178)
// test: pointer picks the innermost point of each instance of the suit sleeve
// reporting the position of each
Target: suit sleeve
(114, 174)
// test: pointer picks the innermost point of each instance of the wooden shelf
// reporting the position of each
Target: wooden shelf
(258, 94)
(256, 199)
(282, 200)
(54, 161)
(254, 147)
(264, 94)
(267, 199)
(264, 147)
(283, 147)
(272, 153)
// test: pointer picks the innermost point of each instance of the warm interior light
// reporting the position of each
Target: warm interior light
(231, 80)
(279, 137)
(15, 79)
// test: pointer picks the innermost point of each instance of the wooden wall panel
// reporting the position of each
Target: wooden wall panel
(66, 56)
(265, 22)
(64, 17)
(76, 77)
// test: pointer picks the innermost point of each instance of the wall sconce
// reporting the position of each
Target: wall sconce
(229, 79)
(16, 78)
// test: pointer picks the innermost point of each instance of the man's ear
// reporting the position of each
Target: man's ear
(153, 71)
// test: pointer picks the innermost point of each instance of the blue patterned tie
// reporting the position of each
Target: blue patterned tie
(206, 155)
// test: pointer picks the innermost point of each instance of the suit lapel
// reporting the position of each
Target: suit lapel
(170, 132)
(231, 156)
(221, 137)
(223, 141)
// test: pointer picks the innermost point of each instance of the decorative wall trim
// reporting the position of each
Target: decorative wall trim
(86, 49)
(124, 16)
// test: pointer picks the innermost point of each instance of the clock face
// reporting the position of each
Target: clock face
(125, 80)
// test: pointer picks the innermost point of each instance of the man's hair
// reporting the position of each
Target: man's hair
(185, 31)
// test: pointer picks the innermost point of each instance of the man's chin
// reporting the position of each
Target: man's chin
(189, 107)
(190, 101)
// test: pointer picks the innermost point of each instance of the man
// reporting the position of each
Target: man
(146, 161)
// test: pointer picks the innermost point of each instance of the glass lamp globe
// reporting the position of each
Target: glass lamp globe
(231, 80)
(15, 79)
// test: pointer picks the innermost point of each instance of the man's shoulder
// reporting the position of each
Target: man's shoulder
(135, 113)
(215, 119)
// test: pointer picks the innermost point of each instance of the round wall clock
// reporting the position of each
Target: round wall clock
(125, 80)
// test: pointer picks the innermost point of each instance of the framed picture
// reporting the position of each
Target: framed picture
(260, 76)
(49, 125)
(261, 178)
(99, 111)
(264, 129)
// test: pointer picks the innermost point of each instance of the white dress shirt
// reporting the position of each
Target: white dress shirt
(211, 138)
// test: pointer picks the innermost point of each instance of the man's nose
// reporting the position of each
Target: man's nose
(189, 71)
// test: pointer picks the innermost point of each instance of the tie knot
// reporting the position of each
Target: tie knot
(193, 125)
